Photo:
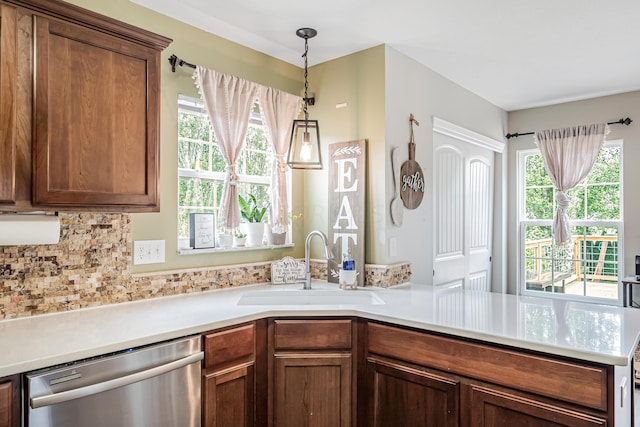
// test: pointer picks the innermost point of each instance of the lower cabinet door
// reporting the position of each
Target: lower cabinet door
(493, 407)
(401, 395)
(229, 398)
(312, 390)
(9, 401)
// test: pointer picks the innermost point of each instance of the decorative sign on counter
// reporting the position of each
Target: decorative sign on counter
(347, 185)
(286, 270)
(411, 176)
(202, 231)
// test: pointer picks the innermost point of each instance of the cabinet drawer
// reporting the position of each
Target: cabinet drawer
(312, 334)
(572, 382)
(229, 347)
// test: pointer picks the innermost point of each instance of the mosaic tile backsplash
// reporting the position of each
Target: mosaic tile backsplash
(91, 266)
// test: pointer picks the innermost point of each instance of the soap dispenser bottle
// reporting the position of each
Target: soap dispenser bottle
(348, 274)
(348, 263)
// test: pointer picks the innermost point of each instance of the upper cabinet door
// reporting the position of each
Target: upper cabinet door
(16, 94)
(8, 88)
(96, 119)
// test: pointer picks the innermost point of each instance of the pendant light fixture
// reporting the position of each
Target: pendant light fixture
(304, 148)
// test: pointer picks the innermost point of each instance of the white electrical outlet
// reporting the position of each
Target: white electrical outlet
(148, 252)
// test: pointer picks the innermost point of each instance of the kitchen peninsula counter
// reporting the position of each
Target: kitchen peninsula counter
(590, 332)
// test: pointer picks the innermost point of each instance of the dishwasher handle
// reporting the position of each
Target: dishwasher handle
(65, 396)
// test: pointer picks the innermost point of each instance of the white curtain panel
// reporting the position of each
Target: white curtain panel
(569, 155)
(229, 101)
(279, 109)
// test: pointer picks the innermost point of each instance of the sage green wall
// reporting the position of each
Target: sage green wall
(380, 87)
(596, 110)
(357, 80)
(202, 48)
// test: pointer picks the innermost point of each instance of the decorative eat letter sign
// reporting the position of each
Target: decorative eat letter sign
(347, 182)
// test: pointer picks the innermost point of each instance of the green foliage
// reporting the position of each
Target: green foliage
(596, 198)
(250, 210)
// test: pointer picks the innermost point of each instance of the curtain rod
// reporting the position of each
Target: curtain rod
(174, 60)
(626, 121)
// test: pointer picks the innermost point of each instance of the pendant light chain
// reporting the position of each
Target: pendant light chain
(305, 151)
(306, 81)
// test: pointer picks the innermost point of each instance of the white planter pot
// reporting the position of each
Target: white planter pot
(275, 238)
(225, 240)
(254, 232)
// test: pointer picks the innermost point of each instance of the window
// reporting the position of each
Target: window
(201, 167)
(589, 267)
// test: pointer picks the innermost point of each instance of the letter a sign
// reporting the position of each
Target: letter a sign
(347, 187)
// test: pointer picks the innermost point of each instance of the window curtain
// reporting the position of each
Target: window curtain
(229, 101)
(569, 155)
(279, 109)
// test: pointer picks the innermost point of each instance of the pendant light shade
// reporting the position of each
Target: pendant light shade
(304, 148)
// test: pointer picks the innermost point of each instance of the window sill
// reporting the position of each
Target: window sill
(189, 251)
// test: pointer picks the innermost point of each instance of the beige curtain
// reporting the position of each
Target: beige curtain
(279, 109)
(569, 155)
(229, 101)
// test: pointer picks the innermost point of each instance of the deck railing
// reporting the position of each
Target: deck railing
(590, 262)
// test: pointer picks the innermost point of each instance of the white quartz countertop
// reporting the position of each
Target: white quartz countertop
(591, 332)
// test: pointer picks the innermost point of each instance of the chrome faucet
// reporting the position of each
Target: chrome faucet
(306, 280)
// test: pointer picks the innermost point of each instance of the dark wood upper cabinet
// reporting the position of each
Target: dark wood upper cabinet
(16, 100)
(94, 141)
(8, 47)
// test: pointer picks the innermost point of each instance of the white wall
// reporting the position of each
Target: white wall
(412, 88)
(603, 109)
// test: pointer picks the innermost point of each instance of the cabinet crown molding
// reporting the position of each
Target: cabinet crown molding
(90, 19)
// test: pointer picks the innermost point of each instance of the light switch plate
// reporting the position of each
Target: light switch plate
(148, 252)
(393, 246)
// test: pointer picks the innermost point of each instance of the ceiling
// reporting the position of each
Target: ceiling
(514, 53)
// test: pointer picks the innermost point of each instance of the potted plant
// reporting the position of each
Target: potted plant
(239, 239)
(253, 214)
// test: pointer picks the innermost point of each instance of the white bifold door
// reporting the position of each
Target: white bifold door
(463, 173)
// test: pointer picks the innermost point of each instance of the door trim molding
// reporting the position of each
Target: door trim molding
(458, 132)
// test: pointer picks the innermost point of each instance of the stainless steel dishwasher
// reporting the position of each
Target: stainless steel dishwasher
(155, 386)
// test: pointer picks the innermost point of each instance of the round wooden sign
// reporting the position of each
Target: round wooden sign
(411, 181)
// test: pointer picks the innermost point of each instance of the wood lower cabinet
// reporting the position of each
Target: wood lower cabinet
(491, 406)
(403, 395)
(229, 377)
(311, 381)
(229, 397)
(79, 109)
(10, 401)
(427, 379)
(312, 390)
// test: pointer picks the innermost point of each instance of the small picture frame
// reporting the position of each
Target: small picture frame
(202, 230)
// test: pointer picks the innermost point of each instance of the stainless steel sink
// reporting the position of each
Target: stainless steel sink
(310, 297)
